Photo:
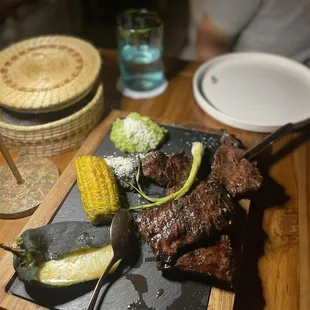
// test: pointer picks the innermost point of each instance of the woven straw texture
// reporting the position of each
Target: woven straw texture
(47, 73)
(55, 137)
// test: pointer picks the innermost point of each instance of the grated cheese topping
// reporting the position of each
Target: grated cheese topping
(124, 168)
(140, 133)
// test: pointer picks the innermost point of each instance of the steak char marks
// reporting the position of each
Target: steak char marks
(237, 174)
(215, 261)
(191, 220)
(192, 233)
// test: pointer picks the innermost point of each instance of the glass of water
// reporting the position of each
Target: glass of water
(140, 34)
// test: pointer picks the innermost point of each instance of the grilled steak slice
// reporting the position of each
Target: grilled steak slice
(228, 139)
(216, 261)
(193, 219)
(237, 174)
(182, 233)
(170, 171)
(178, 167)
(154, 167)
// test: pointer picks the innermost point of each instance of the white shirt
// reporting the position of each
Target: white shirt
(275, 26)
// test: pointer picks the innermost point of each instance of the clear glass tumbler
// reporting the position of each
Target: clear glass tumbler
(140, 34)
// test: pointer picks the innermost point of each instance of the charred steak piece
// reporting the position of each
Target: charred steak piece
(182, 233)
(169, 171)
(154, 167)
(178, 167)
(228, 139)
(191, 220)
(237, 174)
(216, 261)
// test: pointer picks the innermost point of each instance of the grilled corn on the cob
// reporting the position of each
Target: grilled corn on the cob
(99, 192)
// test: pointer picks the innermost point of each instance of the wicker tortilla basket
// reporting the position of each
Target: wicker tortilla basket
(54, 137)
(47, 73)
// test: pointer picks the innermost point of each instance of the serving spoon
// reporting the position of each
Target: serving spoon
(120, 236)
(275, 136)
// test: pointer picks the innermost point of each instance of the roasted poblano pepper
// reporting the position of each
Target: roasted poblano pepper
(62, 254)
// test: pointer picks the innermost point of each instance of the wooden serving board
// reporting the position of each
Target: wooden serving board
(63, 203)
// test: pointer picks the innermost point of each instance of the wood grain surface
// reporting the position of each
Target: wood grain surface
(45, 213)
(272, 276)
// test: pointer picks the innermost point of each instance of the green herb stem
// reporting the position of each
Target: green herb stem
(197, 152)
(140, 190)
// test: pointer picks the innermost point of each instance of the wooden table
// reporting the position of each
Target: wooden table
(277, 238)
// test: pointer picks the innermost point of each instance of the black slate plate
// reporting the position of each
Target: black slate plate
(137, 284)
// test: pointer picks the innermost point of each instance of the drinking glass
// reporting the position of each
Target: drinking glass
(140, 33)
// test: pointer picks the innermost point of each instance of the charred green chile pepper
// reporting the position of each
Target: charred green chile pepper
(62, 254)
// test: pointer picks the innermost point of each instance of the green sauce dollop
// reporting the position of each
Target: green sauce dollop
(136, 134)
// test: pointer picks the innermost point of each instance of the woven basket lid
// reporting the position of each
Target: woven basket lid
(47, 73)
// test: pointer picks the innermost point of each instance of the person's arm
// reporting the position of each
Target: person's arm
(210, 40)
(222, 22)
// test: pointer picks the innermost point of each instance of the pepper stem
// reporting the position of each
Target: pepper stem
(16, 251)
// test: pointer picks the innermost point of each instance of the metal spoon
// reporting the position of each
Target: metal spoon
(119, 234)
(275, 136)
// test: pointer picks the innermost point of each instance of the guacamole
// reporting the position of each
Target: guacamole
(136, 134)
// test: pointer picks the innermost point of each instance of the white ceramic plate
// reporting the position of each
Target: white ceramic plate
(253, 91)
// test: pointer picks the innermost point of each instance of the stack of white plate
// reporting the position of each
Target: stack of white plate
(253, 91)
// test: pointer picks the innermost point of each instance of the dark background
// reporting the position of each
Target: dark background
(94, 20)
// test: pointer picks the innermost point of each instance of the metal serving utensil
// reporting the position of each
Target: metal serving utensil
(275, 136)
(120, 236)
